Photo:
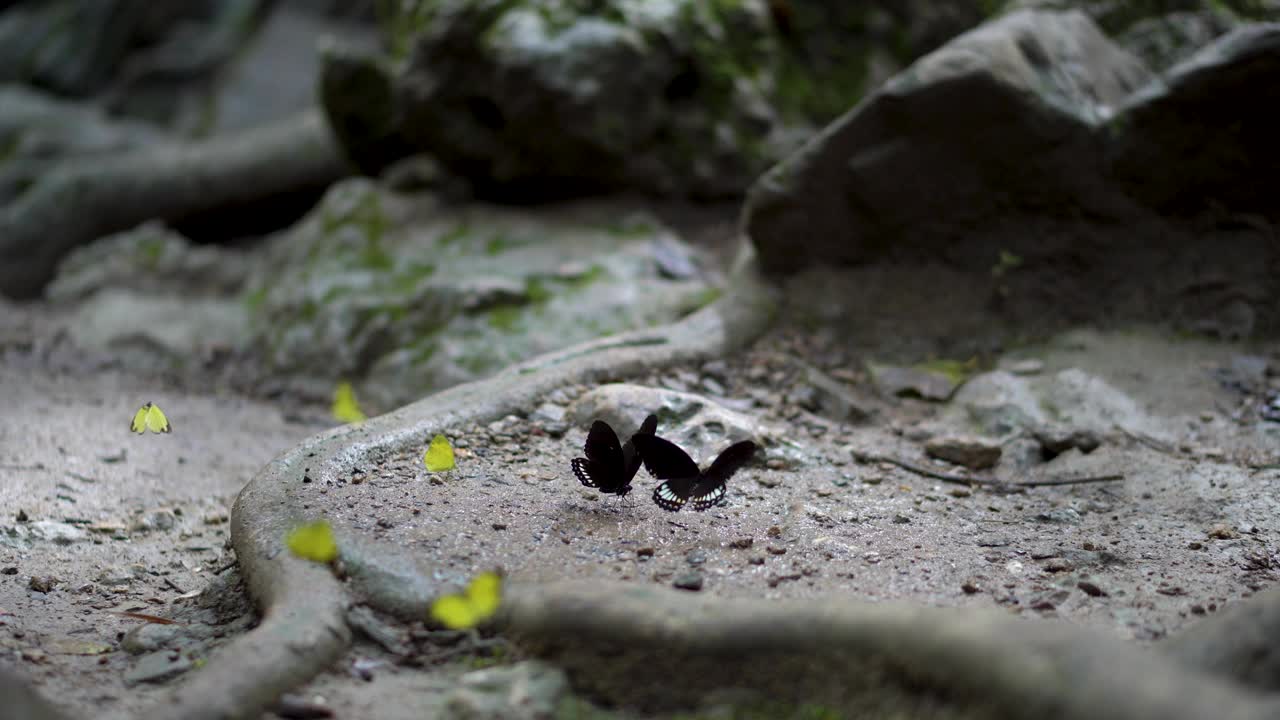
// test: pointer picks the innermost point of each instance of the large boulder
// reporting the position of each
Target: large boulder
(530, 98)
(1163, 32)
(998, 122)
(1206, 134)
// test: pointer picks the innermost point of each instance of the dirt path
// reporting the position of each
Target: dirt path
(97, 521)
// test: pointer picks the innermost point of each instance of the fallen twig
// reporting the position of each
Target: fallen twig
(982, 481)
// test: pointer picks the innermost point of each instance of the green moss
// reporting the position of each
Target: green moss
(150, 250)
(592, 275)
(700, 299)
(956, 371)
(536, 290)
(254, 299)
(497, 244)
(454, 235)
(504, 318)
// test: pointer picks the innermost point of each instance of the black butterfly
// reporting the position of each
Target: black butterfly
(610, 465)
(685, 483)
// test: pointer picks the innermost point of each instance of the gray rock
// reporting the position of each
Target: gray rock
(892, 381)
(975, 453)
(154, 520)
(56, 532)
(1208, 128)
(837, 400)
(157, 667)
(999, 402)
(696, 423)
(688, 581)
(548, 413)
(421, 296)
(528, 690)
(150, 637)
(678, 96)
(1034, 85)
(152, 259)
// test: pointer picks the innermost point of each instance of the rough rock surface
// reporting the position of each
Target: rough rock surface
(682, 97)
(1037, 155)
(415, 295)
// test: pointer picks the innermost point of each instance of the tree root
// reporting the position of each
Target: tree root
(304, 627)
(661, 650)
(76, 204)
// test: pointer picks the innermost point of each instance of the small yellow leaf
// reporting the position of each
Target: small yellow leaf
(439, 455)
(344, 404)
(313, 541)
(479, 603)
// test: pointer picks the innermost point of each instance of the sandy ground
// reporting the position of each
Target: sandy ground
(96, 521)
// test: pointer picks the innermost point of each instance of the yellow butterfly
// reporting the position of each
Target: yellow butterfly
(313, 541)
(439, 455)
(469, 609)
(344, 404)
(150, 417)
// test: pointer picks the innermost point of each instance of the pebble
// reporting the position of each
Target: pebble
(644, 552)
(971, 451)
(42, 583)
(157, 667)
(1066, 516)
(155, 520)
(56, 532)
(149, 637)
(1030, 366)
(768, 481)
(712, 386)
(774, 550)
(688, 581)
(741, 543)
(1222, 532)
(695, 557)
(1091, 589)
(901, 519)
(970, 587)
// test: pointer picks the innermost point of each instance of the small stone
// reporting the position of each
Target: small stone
(42, 583)
(1091, 589)
(157, 667)
(970, 587)
(499, 526)
(712, 386)
(960, 493)
(755, 560)
(22, 516)
(215, 518)
(911, 382)
(155, 520)
(774, 531)
(778, 579)
(901, 519)
(688, 581)
(644, 552)
(975, 453)
(528, 689)
(695, 557)
(1195, 545)
(1030, 366)
(768, 481)
(11, 570)
(776, 464)
(149, 637)
(741, 543)
(57, 533)
(1197, 609)
(774, 550)
(1066, 516)
(1222, 532)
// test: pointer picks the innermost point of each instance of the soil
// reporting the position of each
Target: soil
(143, 517)
(1180, 537)
(1190, 530)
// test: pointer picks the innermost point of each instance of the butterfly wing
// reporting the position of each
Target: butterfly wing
(139, 424)
(630, 456)
(602, 466)
(664, 459)
(711, 486)
(673, 494)
(156, 421)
